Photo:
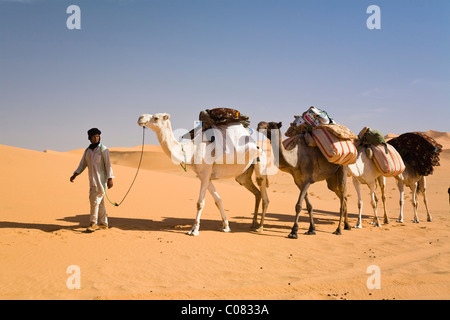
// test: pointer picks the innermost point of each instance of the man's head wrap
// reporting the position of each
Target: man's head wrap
(92, 132)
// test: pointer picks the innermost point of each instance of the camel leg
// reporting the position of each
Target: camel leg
(373, 202)
(357, 186)
(218, 202)
(338, 184)
(414, 202)
(200, 204)
(312, 226)
(422, 188)
(298, 207)
(382, 183)
(401, 189)
(263, 183)
(245, 179)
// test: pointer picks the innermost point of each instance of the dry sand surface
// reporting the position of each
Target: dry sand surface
(146, 253)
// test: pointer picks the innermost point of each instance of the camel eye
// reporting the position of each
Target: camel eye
(156, 118)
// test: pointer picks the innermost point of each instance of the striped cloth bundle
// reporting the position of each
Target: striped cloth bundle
(390, 163)
(338, 151)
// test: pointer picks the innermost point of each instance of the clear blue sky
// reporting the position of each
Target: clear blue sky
(269, 59)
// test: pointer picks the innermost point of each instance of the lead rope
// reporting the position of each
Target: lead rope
(139, 166)
(185, 159)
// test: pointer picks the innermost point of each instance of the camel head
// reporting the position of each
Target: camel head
(153, 122)
(267, 127)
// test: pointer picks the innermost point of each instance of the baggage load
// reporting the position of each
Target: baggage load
(291, 142)
(334, 140)
(218, 117)
(339, 130)
(315, 117)
(311, 118)
(222, 116)
(418, 150)
(387, 160)
(338, 151)
(367, 136)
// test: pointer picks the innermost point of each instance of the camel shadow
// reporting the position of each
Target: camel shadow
(170, 224)
(167, 224)
(272, 220)
(303, 217)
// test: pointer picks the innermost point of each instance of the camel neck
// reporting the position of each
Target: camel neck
(287, 159)
(169, 144)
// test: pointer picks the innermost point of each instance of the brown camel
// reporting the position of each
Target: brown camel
(307, 165)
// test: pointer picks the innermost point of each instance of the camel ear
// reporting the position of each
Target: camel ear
(166, 116)
(279, 124)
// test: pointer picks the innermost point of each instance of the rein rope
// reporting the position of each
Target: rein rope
(137, 171)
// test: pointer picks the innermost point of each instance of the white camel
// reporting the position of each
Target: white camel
(206, 159)
(364, 171)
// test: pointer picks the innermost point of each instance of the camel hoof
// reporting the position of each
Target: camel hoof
(376, 224)
(399, 220)
(415, 221)
(338, 232)
(310, 233)
(293, 236)
(226, 229)
(358, 226)
(193, 233)
(260, 229)
(429, 219)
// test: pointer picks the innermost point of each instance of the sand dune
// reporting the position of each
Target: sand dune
(146, 253)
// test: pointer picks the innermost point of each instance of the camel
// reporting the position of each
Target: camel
(364, 171)
(307, 165)
(210, 166)
(420, 153)
(417, 183)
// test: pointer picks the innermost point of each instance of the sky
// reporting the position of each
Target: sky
(268, 59)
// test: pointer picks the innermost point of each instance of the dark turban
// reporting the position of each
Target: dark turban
(93, 132)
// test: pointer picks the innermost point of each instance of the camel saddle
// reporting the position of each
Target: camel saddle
(220, 117)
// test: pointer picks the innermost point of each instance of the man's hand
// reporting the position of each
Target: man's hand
(110, 183)
(73, 177)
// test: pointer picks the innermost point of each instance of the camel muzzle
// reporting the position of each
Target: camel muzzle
(142, 121)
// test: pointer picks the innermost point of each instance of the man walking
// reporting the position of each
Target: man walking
(96, 159)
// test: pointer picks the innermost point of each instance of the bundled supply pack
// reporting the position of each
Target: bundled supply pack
(419, 150)
(385, 156)
(334, 140)
(336, 150)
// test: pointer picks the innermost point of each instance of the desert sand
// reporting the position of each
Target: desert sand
(147, 254)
